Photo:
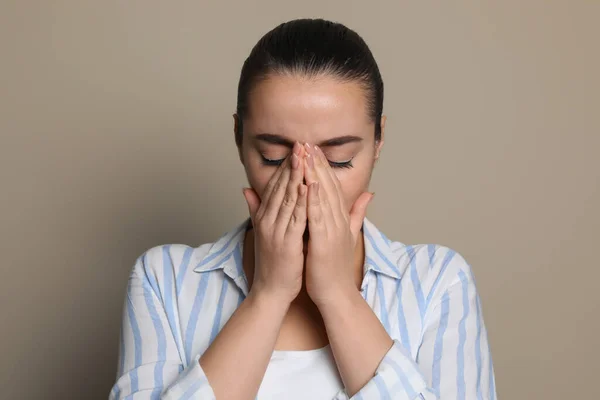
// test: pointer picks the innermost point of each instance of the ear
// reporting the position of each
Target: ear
(237, 126)
(379, 144)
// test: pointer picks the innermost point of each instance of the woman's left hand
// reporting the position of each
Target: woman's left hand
(333, 231)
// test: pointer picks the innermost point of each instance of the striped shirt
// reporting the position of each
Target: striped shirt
(179, 297)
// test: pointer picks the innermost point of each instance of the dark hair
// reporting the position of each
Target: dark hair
(312, 47)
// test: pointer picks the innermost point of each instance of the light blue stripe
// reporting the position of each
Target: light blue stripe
(160, 336)
(478, 351)
(155, 395)
(462, 337)
(188, 370)
(239, 264)
(385, 238)
(406, 384)
(219, 312)
(449, 256)
(431, 251)
(123, 353)
(168, 271)
(438, 347)
(367, 287)
(151, 279)
(185, 262)
(379, 252)
(402, 325)
(196, 308)
(137, 340)
(116, 391)
(193, 389)
(381, 387)
(383, 312)
(492, 382)
(237, 258)
(414, 274)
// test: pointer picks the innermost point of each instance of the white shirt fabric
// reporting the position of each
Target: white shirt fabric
(179, 297)
(301, 375)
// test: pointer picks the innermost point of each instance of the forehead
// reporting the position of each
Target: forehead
(308, 109)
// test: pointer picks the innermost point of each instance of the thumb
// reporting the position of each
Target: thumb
(252, 200)
(358, 212)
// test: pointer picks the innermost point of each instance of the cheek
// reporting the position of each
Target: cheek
(353, 183)
(258, 175)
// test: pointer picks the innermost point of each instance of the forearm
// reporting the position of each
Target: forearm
(358, 339)
(237, 359)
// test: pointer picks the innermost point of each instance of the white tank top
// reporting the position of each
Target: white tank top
(301, 375)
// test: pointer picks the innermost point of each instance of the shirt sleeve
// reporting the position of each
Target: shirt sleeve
(453, 361)
(150, 362)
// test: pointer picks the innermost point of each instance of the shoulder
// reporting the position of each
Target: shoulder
(432, 270)
(431, 261)
(175, 262)
(427, 265)
(167, 260)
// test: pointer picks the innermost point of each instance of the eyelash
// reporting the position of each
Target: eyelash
(333, 164)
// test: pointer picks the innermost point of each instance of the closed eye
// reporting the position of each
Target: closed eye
(344, 164)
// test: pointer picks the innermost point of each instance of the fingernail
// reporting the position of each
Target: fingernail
(311, 161)
(308, 148)
(295, 161)
(297, 147)
(302, 190)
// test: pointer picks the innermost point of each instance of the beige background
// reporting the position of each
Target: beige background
(117, 136)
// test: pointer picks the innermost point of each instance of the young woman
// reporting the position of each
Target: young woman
(306, 299)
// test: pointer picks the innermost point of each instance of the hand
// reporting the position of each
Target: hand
(333, 231)
(279, 221)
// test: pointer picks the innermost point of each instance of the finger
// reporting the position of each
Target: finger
(333, 179)
(266, 194)
(278, 193)
(359, 211)
(327, 177)
(312, 177)
(329, 169)
(297, 223)
(252, 200)
(310, 173)
(316, 221)
(291, 195)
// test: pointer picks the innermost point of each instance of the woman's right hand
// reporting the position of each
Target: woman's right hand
(279, 221)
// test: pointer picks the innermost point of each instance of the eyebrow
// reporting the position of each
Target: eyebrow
(280, 140)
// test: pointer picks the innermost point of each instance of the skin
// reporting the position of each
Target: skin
(310, 111)
(305, 253)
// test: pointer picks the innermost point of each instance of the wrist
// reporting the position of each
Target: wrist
(273, 303)
(340, 300)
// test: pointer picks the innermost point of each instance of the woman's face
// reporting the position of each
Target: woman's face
(320, 111)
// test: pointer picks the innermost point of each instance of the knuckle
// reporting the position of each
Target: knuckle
(299, 207)
(288, 201)
(277, 186)
(261, 227)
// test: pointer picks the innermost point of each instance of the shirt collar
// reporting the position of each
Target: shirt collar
(379, 256)
(227, 247)
(225, 253)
